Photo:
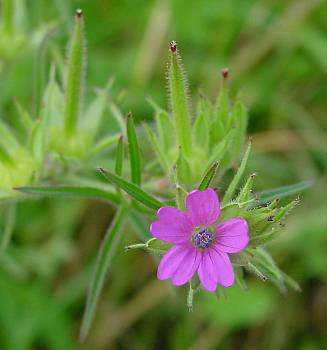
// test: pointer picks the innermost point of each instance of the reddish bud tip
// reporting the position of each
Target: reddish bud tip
(224, 73)
(79, 13)
(173, 46)
(129, 115)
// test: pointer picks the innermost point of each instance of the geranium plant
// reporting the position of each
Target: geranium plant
(207, 233)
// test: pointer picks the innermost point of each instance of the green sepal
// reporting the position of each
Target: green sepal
(246, 192)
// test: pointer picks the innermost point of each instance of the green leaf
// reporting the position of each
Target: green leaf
(10, 214)
(266, 265)
(221, 122)
(183, 170)
(24, 117)
(201, 132)
(239, 117)
(237, 178)
(5, 156)
(165, 128)
(220, 149)
(94, 113)
(118, 116)
(104, 144)
(119, 156)
(291, 282)
(103, 260)
(179, 100)
(180, 197)
(75, 72)
(37, 141)
(208, 177)
(282, 192)
(71, 191)
(53, 106)
(133, 190)
(134, 151)
(6, 137)
(157, 148)
(205, 108)
(139, 224)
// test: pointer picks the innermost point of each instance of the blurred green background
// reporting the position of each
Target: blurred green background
(276, 51)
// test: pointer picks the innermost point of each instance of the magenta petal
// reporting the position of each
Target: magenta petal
(215, 268)
(187, 267)
(172, 226)
(207, 273)
(174, 259)
(203, 208)
(232, 235)
(224, 268)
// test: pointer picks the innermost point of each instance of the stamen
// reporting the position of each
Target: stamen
(203, 238)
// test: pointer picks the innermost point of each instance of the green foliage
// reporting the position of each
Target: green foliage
(133, 190)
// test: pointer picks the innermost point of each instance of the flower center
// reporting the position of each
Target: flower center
(203, 238)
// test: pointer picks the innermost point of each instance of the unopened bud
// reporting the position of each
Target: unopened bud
(173, 46)
(224, 73)
(79, 13)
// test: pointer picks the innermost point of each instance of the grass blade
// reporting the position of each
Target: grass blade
(134, 151)
(133, 190)
(103, 260)
(71, 191)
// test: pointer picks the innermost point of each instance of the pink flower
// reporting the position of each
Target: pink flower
(199, 245)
